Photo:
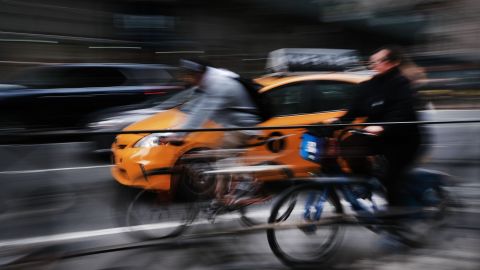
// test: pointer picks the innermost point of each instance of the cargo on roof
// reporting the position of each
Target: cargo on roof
(304, 59)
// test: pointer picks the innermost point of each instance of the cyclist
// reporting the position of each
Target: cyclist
(387, 97)
(224, 100)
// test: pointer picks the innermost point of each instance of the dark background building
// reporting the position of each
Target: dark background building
(236, 34)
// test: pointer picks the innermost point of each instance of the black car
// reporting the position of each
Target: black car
(61, 97)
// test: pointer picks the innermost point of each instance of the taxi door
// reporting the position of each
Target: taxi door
(300, 103)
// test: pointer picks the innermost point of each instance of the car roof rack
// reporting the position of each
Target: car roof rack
(295, 73)
(312, 60)
(354, 71)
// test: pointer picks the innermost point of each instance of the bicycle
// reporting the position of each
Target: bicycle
(307, 220)
(152, 215)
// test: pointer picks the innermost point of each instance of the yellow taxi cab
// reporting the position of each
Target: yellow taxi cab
(296, 98)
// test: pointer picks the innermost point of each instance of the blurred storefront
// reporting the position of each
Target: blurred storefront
(236, 34)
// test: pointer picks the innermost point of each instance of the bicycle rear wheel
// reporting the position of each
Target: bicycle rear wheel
(298, 241)
(417, 228)
(151, 217)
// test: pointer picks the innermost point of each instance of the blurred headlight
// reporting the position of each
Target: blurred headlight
(152, 140)
(108, 123)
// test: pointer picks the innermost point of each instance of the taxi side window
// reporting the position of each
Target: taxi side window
(330, 95)
(288, 100)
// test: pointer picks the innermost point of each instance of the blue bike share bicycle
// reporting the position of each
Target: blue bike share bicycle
(307, 221)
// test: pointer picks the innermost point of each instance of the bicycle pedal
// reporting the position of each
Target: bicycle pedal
(211, 215)
(361, 192)
(213, 210)
(308, 229)
(211, 218)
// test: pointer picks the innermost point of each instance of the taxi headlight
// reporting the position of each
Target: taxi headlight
(106, 123)
(152, 140)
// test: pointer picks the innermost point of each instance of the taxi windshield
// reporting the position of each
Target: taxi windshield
(189, 103)
(175, 100)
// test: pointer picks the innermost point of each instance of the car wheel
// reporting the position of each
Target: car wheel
(190, 182)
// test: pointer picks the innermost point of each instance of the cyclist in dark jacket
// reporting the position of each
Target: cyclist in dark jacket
(388, 97)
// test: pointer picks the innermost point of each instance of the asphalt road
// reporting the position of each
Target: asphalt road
(60, 209)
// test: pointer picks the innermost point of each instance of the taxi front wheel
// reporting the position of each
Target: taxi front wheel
(190, 182)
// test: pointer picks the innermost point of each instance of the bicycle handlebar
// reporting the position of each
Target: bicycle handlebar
(360, 132)
(272, 139)
(180, 142)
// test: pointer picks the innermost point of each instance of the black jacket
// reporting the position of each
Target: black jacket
(387, 97)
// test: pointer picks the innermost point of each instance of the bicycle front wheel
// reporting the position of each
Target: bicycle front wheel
(296, 237)
(151, 217)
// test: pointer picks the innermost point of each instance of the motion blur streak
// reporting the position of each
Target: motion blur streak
(103, 65)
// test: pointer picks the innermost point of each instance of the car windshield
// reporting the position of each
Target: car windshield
(188, 104)
(92, 76)
(175, 100)
(69, 77)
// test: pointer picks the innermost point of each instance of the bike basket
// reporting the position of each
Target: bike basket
(312, 147)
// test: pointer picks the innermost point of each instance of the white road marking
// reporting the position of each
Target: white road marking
(75, 235)
(56, 169)
(49, 239)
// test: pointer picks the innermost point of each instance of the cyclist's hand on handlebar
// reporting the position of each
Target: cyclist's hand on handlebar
(327, 131)
(263, 140)
(374, 129)
(331, 121)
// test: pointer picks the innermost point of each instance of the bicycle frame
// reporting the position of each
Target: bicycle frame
(316, 201)
(344, 186)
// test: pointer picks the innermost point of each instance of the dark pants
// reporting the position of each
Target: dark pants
(400, 155)
(400, 158)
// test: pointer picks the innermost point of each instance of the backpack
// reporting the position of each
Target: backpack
(259, 101)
